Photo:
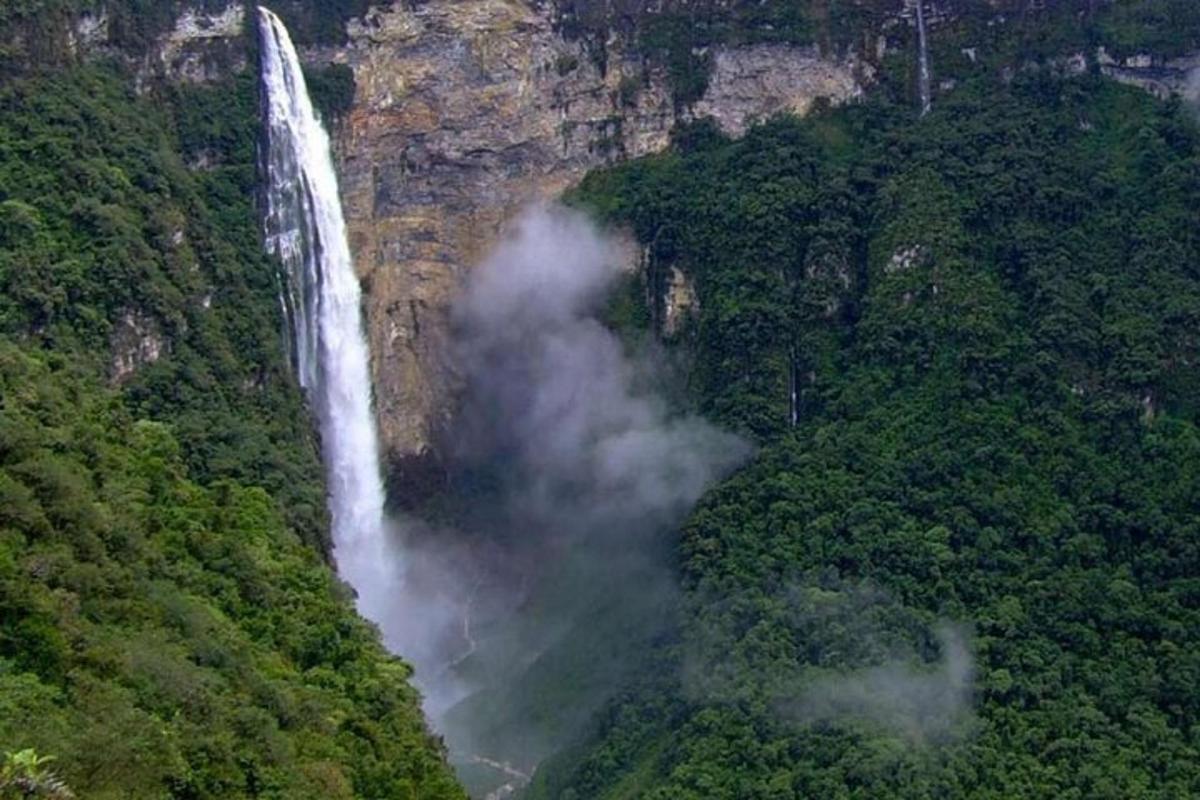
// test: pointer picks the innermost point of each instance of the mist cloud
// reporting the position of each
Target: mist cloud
(570, 471)
(1191, 92)
(846, 653)
(553, 390)
(922, 702)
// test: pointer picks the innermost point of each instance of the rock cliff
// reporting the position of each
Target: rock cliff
(1159, 76)
(198, 46)
(466, 112)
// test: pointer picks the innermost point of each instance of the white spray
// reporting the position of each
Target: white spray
(322, 299)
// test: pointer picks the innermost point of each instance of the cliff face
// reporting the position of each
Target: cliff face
(466, 112)
(1161, 77)
(199, 46)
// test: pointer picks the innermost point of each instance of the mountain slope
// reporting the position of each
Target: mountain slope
(968, 567)
(168, 625)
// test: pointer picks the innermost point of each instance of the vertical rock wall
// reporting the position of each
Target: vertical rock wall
(467, 111)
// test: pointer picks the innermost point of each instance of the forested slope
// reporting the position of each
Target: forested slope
(169, 626)
(963, 563)
(968, 567)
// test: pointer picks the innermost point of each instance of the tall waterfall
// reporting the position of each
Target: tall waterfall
(322, 299)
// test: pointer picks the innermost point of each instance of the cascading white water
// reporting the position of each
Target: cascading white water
(322, 300)
(924, 79)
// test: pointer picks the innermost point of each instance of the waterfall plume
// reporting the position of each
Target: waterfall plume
(322, 300)
(524, 610)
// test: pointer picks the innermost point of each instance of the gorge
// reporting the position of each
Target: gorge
(589, 467)
(561, 400)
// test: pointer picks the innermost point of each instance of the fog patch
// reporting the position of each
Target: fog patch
(922, 702)
(836, 653)
(554, 393)
(526, 602)
(1191, 91)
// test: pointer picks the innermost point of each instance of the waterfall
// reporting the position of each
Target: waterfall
(793, 389)
(923, 76)
(322, 301)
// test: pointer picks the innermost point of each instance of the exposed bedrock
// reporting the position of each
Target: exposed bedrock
(467, 111)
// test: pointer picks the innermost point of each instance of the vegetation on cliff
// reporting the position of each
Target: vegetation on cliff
(680, 34)
(44, 33)
(963, 564)
(168, 624)
(967, 568)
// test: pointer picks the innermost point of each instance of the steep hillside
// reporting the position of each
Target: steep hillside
(963, 564)
(168, 624)
(452, 115)
(465, 112)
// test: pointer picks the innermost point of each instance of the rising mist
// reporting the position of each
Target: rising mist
(924, 703)
(537, 582)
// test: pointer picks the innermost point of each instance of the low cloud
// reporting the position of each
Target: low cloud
(922, 702)
(555, 394)
(570, 470)
(841, 653)
(1192, 91)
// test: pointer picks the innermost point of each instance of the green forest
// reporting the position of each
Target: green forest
(964, 561)
(989, 320)
(169, 625)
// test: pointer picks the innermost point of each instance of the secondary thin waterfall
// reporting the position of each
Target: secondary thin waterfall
(322, 300)
(924, 79)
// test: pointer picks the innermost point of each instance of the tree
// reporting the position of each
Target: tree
(24, 776)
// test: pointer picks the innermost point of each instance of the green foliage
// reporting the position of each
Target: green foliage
(331, 90)
(319, 21)
(170, 639)
(1002, 34)
(989, 318)
(1164, 27)
(110, 245)
(169, 626)
(39, 34)
(677, 43)
(24, 774)
(677, 34)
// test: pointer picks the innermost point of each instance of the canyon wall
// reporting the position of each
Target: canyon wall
(467, 111)
(464, 112)
(198, 45)
(1160, 76)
